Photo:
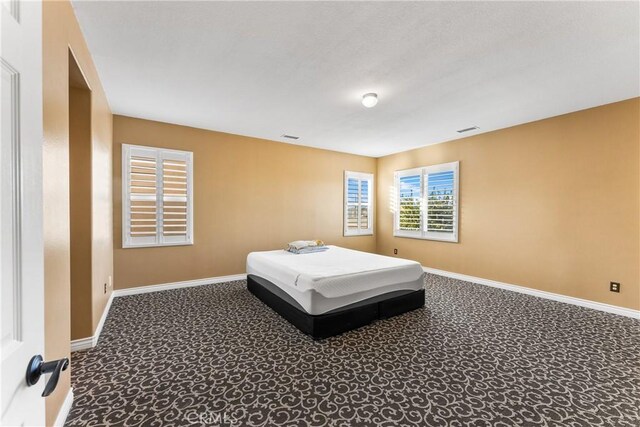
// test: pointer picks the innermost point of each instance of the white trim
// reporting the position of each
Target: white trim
(158, 239)
(105, 312)
(92, 341)
(178, 285)
(17, 194)
(423, 233)
(82, 344)
(14, 9)
(359, 176)
(621, 311)
(63, 413)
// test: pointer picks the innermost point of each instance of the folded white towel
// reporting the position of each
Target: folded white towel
(301, 244)
(308, 250)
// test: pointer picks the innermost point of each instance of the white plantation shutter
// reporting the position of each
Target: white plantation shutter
(440, 202)
(427, 202)
(409, 218)
(363, 216)
(352, 204)
(175, 197)
(157, 196)
(143, 202)
(358, 203)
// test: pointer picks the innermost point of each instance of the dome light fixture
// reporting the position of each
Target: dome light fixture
(370, 99)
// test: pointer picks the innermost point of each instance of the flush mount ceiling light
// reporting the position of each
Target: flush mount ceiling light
(370, 99)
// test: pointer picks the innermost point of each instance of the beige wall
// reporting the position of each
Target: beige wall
(61, 31)
(249, 195)
(551, 205)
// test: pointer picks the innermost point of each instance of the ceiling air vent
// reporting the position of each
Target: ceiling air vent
(290, 136)
(468, 129)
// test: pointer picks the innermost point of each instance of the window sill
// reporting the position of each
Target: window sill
(156, 246)
(435, 239)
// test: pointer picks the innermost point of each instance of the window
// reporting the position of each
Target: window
(427, 202)
(358, 203)
(157, 197)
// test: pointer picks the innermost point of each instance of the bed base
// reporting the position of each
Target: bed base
(339, 320)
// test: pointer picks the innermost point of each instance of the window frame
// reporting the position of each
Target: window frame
(360, 176)
(423, 233)
(160, 154)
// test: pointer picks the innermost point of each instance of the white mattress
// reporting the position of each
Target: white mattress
(321, 282)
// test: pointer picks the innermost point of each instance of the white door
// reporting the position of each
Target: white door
(21, 244)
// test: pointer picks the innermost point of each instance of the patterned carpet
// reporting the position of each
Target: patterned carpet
(215, 355)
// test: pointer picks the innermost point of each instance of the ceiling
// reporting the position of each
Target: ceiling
(265, 69)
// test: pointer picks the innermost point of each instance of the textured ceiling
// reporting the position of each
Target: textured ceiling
(268, 68)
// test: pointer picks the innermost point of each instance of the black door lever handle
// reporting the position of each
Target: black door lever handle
(38, 367)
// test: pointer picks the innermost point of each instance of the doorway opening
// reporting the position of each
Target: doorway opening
(80, 201)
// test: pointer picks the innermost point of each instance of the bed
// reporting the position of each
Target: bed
(328, 293)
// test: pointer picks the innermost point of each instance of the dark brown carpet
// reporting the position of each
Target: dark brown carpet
(215, 355)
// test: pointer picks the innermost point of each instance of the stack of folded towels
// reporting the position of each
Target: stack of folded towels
(306, 246)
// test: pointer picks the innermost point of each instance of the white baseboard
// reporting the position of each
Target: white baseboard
(63, 413)
(178, 285)
(82, 344)
(90, 342)
(542, 294)
(103, 318)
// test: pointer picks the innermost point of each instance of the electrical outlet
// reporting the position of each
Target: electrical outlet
(110, 282)
(395, 252)
(105, 288)
(614, 287)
